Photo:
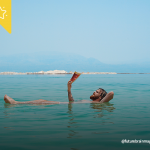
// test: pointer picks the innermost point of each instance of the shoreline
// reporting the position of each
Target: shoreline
(58, 72)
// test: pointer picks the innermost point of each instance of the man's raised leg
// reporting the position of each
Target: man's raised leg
(9, 100)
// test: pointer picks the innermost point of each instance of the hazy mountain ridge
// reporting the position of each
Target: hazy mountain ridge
(61, 61)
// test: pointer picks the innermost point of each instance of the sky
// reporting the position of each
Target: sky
(112, 31)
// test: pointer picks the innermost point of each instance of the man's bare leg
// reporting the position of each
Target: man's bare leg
(9, 100)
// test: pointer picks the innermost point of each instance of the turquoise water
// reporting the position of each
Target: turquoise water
(75, 126)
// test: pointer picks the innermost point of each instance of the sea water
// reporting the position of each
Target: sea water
(75, 126)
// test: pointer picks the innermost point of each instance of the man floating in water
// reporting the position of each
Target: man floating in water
(99, 96)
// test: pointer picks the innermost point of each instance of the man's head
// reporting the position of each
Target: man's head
(98, 94)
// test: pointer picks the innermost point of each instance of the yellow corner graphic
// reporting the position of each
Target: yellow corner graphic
(5, 14)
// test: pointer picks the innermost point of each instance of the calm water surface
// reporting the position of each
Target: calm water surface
(75, 126)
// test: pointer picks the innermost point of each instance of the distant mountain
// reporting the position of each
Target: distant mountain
(64, 61)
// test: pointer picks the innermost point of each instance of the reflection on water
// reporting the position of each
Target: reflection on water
(101, 115)
(6, 113)
(6, 105)
(102, 106)
(71, 122)
(8, 128)
(101, 111)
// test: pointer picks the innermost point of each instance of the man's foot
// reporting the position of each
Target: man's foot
(9, 100)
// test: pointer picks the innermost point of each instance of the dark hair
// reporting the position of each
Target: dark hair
(103, 94)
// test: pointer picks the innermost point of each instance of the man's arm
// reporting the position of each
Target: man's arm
(108, 97)
(70, 97)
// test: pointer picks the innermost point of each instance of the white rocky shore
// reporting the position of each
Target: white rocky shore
(52, 72)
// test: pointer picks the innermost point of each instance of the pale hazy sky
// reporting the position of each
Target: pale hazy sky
(112, 31)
